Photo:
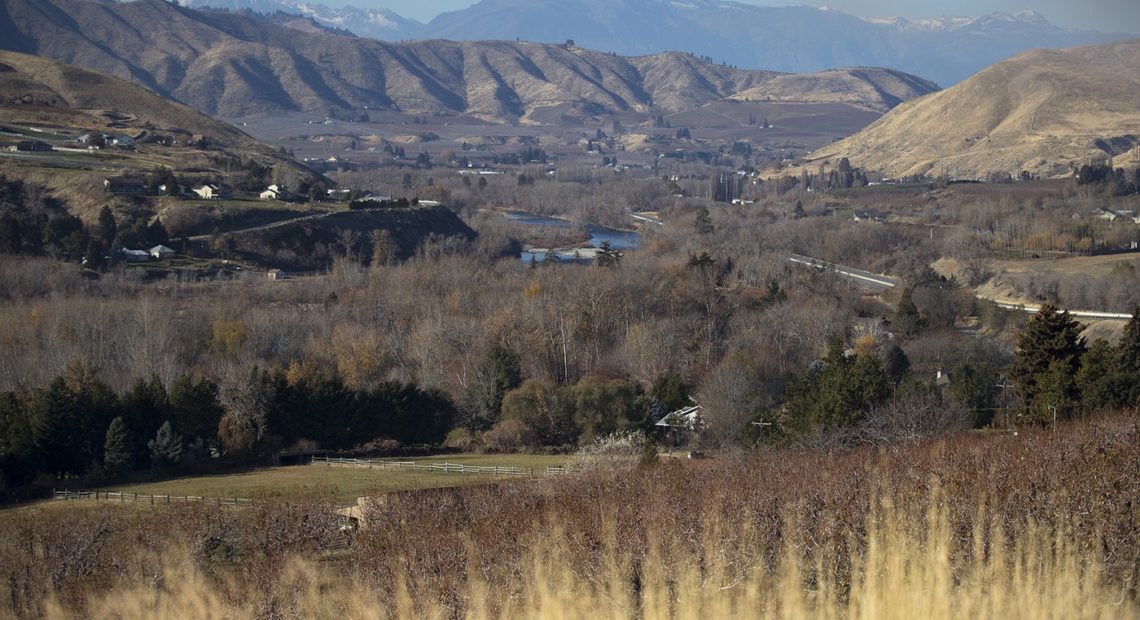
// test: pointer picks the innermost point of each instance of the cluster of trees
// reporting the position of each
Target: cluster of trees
(1114, 181)
(512, 412)
(529, 154)
(32, 222)
(78, 425)
(1058, 375)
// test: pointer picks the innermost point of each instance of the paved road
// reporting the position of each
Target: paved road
(871, 280)
(646, 218)
(880, 281)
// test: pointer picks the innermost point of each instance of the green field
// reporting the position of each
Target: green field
(344, 484)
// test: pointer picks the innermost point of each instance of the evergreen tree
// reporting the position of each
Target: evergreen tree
(895, 363)
(166, 447)
(974, 387)
(907, 319)
(1098, 378)
(108, 228)
(703, 224)
(607, 256)
(550, 257)
(671, 392)
(838, 394)
(1048, 358)
(145, 406)
(497, 374)
(195, 409)
(58, 429)
(1128, 349)
(117, 449)
(17, 442)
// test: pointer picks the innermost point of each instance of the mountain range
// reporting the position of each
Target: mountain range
(374, 22)
(793, 38)
(236, 64)
(1042, 112)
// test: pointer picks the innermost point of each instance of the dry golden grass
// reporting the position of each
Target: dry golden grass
(907, 570)
(1038, 112)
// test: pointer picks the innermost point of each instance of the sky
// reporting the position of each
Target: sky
(1104, 15)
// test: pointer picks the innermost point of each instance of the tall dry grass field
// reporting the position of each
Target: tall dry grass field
(1041, 525)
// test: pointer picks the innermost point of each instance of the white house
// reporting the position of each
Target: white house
(209, 191)
(274, 192)
(686, 418)
(161, 252)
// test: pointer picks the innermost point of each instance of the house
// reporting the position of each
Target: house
(1105, 214)
(210, 191)
(135, 256)
(685, 418)
(125, 186)
(122, 142)
(161, 252)
(91, 139)
(274, 192)
(30, 146)
(275, 274)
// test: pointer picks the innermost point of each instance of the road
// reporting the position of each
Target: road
(882, 282)
(872, 280)
(278, 224)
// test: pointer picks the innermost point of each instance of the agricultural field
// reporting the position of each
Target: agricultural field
(339, 483)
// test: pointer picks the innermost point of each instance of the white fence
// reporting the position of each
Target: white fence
(142, 498)
(449, 468)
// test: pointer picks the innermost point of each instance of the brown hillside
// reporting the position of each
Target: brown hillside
(44, 86)
(1043, 111)
(45, 100)
(233, 65)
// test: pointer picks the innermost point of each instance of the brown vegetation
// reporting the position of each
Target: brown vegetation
(1039, 522)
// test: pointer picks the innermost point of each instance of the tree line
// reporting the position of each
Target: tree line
(78, 425)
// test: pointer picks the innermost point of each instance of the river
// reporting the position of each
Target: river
(619, 239)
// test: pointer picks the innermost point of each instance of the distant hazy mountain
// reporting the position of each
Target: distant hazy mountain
(795, 38)
(1042, 111)
(233, 64)
(377, 23)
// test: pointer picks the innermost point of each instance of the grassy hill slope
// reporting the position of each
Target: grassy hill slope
(1043, 112)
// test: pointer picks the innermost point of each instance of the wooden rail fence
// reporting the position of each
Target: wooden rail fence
(453, 468)
(142, 498)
